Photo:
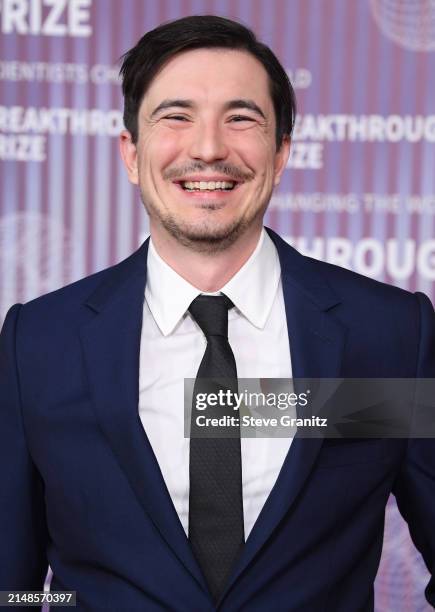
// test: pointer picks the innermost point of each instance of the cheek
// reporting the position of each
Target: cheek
(256, 151)
(160, 149)
(265, 179)
(166, 142)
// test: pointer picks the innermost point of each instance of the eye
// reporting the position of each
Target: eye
(239, 118)
(176, 117)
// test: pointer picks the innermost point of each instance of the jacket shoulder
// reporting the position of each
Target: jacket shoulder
(78, 292)
(320, 278)
(66, 308)
(347, 282)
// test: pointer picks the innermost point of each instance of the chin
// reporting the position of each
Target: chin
(206, 237)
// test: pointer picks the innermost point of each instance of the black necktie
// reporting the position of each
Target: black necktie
(216, 530)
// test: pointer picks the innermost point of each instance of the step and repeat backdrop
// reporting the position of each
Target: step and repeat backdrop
(359, 189)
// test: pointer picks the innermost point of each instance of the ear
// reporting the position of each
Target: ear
(281, 158)
(129, 156)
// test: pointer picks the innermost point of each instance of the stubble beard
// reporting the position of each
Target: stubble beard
(207, 237)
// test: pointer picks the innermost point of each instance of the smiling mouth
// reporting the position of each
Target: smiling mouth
(207, 186)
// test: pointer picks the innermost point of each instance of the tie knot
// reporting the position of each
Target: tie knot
(211, 314)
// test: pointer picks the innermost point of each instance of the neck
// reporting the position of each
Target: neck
(207, 271)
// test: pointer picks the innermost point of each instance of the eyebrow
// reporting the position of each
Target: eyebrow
(230, 105)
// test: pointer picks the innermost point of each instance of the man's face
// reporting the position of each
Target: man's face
(206, 160)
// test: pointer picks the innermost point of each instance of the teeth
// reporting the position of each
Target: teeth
(207, 185)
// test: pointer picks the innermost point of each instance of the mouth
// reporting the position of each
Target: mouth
(204, 187)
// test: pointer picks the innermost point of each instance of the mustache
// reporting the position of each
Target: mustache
(233, 172)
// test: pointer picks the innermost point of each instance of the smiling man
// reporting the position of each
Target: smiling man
(207, 161)
(98, 478)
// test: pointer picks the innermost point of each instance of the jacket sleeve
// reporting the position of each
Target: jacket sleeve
(23, 533)
(415, 485)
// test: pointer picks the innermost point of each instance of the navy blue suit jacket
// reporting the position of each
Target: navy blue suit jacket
(81, 488)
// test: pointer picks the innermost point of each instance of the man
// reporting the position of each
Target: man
(98, 479)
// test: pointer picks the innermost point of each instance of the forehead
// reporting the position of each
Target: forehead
(211, 75)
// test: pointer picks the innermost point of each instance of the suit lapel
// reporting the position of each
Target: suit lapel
(316, 347)
(111, 346)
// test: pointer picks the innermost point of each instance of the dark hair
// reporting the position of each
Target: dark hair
(141, 63)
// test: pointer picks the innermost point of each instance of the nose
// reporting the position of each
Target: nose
(208, 142)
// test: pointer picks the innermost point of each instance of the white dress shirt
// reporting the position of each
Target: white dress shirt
(172, 347)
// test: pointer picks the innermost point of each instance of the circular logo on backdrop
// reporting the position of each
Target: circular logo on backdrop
(35, 257)
(409, 23)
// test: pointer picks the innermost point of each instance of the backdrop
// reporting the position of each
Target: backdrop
(359, 189)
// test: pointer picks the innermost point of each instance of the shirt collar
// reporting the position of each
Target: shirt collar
(252, 289)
